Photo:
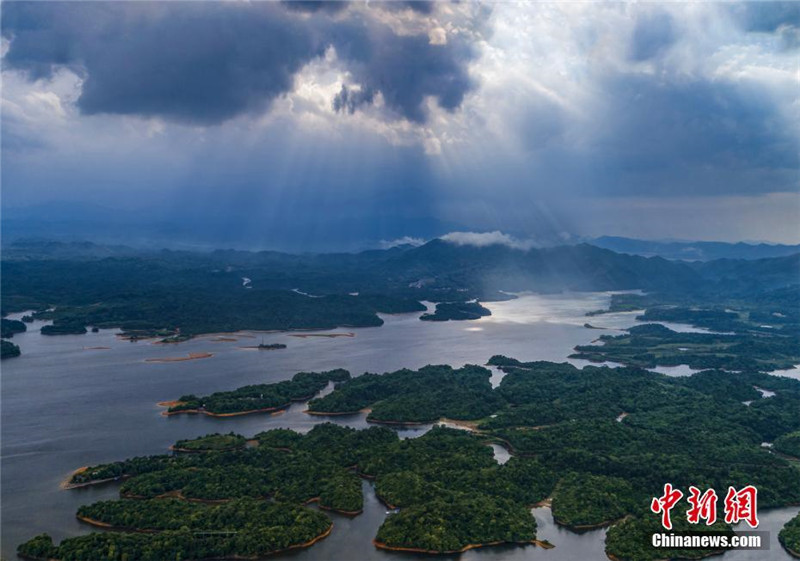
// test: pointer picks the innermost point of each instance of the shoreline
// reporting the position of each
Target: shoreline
(788, 549)
(172, 448)
(271, 410)
(191, 356)
(107, 526)
(381, 545)
(66, 484)
(337, 413)
(302, 545)
(579, 528)
(326, 335)
(350, 513)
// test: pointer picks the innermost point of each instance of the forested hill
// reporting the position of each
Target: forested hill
(228, 290)
(44, 268)
(695, 251)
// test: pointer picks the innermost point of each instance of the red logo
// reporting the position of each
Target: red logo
(740, 506)
(665, 503)
(703, 506)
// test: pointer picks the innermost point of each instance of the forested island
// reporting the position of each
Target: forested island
(11, 326)
(8, 349)
(211, 443)
(789, 536)
(260, 398)
(597, 442)
(173, 529)
(652, 345)
(408, 396)
(455, 311)
(630, 539)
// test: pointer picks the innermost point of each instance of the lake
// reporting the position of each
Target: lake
(67, 402)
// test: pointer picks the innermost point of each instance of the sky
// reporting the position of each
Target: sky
(321, 125)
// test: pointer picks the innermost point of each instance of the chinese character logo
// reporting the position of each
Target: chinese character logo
(702, 506)
(665, 503)
(740, 506)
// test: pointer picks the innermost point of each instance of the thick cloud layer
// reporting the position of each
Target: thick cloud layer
(284, 121)
(207, 62)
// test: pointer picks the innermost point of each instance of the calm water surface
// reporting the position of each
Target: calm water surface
(66, 405)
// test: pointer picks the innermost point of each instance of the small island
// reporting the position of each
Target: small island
(650, 345)
(174, 529)
(259, 398)
(8, 349)
(789, 536)
(12, 326)
(457, 311)
(64, 328)
(630, 539)
(414, 397)
(211, 443)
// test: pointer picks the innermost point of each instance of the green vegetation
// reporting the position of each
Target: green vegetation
(652, 345)
(261, 397)
(408, 396)
(599, 441)
(449, 526)
(582, 501)
(11, 326)
(788, 444)
(163, 295)
(8, 349)
(446, 311)
(64, 327)
(211, 442)
(631, 539)
(789, 536)
(285, 466)
(121, 470)
(182, 530)
(173, 514)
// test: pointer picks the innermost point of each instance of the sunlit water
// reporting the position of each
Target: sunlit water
(66, 405)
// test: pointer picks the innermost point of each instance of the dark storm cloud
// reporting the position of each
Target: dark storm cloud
(782, 18)
(407, 69)
(192, 62)
(652, 35)
(419, 6)
(767, 16)
(208, 62)
(664, 130)
(313, 6)
(348, 100)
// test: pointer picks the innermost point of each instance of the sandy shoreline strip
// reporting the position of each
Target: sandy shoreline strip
(381, 545)
(191, 356)
(328, 335)
(271, 410)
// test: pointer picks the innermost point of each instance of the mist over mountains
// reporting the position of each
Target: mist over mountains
(438, 266)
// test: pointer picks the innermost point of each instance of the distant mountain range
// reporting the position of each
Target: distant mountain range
(435, 268)
(694, 251)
